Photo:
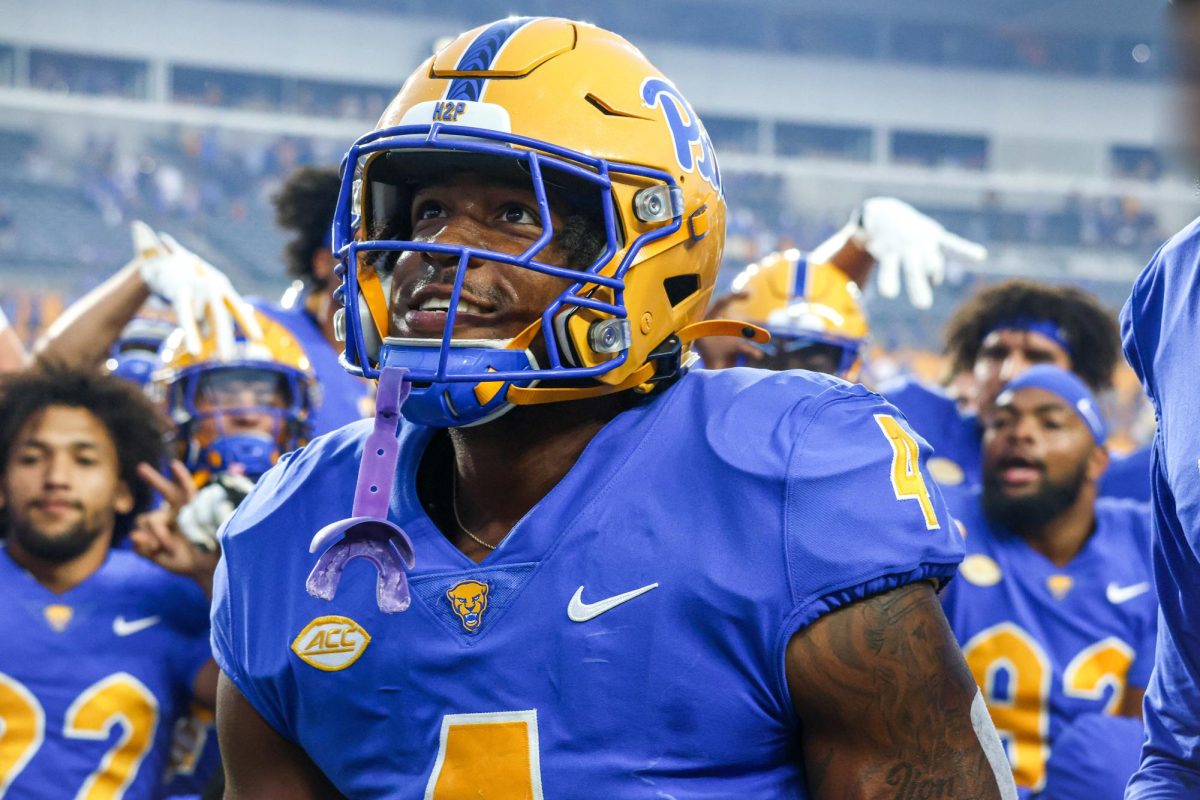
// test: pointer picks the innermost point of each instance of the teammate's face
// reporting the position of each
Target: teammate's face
(497, 300)
(1005, 354)
(61, 486)
(1037, 456)
(234, 402)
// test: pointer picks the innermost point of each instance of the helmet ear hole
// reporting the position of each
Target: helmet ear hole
(681, 287)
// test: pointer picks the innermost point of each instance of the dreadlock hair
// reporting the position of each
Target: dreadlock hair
(1089, 328)
(305, 205)
(135, 425)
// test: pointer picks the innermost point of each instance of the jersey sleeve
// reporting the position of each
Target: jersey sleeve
(863, 515)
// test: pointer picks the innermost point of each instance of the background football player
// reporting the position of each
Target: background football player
(997, 334)
(108, 639)
(1161, 331)
(1053, 605)
(600, 536)
(812, 311)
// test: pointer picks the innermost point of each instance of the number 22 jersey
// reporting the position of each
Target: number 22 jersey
(628, 635)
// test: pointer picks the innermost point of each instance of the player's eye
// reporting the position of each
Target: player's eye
(86, 461)
(27, 458)
(428, 209)
(517, 214)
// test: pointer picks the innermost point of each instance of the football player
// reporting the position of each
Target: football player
(304, 206)
(578, 569)
(1160, 326)
(1054, 605)
(996, 335)
(104, 649)
(812, 311)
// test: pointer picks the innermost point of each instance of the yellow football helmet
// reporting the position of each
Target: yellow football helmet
(551, 103)
(238, 412)
(813, 312)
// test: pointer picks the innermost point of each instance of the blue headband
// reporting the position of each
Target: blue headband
(1067, 386)
(1045, 327)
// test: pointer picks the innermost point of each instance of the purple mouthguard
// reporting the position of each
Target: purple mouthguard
(368, 533)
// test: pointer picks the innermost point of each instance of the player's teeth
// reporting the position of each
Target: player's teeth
(468, 308)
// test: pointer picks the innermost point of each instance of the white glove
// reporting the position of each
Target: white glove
(203, 516)
(903, 239)
(195, 289)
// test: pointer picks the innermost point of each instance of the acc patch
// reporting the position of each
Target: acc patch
(469, 599)
(1059, 585)
(331, 643)
(980, 570)
(945, 471)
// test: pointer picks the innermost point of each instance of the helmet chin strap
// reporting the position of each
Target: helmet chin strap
(368, 533)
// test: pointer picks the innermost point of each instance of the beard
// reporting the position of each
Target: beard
(57, 548)
(1030, 513)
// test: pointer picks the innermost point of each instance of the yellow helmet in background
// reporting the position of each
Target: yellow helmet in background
(239, 411)
(813, 312)
(557, 104)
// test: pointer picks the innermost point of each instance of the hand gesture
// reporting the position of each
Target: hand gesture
(903, 240)
(195, 289)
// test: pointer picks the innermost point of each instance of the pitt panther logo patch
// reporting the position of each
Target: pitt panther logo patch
(686, 129)
(331, 643)
(469, 599)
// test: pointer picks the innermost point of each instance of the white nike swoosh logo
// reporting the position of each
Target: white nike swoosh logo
(124, 627)
(1121, 594)
(579, 611)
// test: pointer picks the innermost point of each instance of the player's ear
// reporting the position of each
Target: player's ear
(122, 498)
(1097, 463)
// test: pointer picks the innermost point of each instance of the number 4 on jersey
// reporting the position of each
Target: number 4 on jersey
(907, 480)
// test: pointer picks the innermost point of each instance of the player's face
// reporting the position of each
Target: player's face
(235, 402)
(497, 300)
(1037, 455)
(1006, 354)
(61, 485)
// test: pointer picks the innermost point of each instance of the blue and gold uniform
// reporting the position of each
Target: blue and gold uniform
(954, 436)
(1160, 326)
(627, 636)
(1048, 644)
(89, 699)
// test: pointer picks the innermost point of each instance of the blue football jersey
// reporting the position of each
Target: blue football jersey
(1160, 326)
(343, 397)
(627, 637)
(1128, 476)
(954, 436)
(93, 679)
(1048, 644)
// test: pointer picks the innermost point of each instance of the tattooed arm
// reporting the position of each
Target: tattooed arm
(887, 706)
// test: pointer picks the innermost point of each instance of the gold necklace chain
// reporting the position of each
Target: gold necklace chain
(458, 520)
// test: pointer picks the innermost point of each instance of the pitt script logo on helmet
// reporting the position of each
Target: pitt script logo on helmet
(557, 105)
(803, 304)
